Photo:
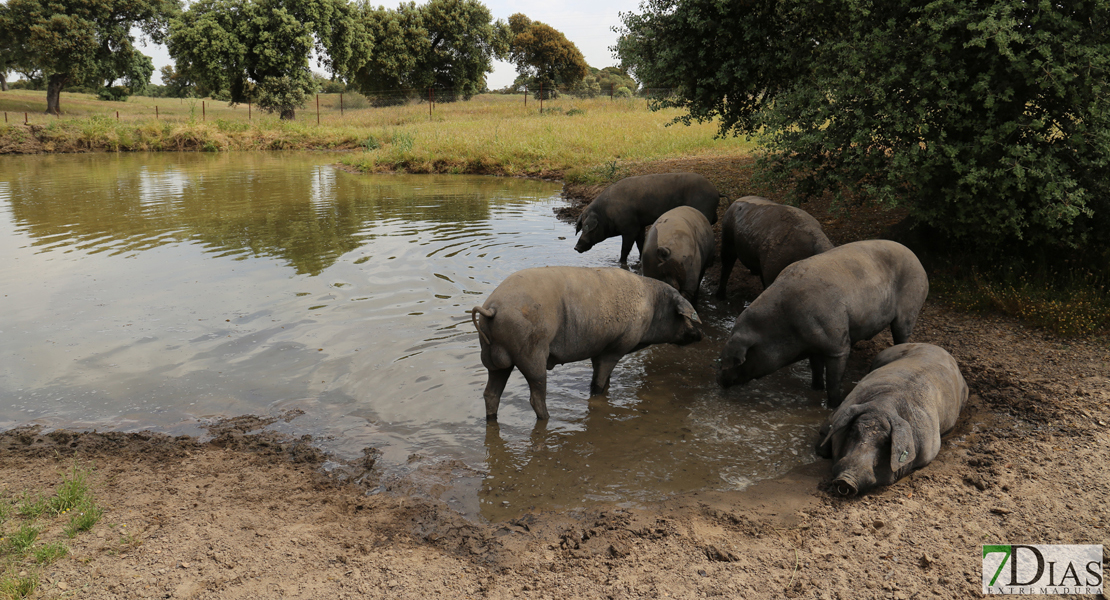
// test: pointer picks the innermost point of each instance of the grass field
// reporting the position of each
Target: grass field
(492, 134)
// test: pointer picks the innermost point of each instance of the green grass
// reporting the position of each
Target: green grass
(35, 540)
(490, 134)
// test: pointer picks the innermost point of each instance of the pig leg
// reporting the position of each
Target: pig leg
(728, 260)
(817, 369)
(534, 370)
(495, 385)
(901, 327)
(640, 240)
(835, 365)
(603, 369)
(626, 247)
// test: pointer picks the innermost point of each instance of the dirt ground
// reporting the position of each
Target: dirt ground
(250, 514)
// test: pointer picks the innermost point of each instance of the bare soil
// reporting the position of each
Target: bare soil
(252, 514)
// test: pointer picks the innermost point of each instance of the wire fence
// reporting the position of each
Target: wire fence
(321, 107)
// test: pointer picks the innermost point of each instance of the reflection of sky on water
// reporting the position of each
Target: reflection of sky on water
(161, 290)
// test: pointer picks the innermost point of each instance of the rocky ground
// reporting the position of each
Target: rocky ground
(250, 514)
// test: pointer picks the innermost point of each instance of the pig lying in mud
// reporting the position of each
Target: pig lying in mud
(631, 204)
(891, 423)
(820, 306)
(767, 237)
(678, 248)
(539, 318)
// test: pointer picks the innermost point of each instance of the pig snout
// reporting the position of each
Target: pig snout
(582, 245)
(853, 479)
(689, 334)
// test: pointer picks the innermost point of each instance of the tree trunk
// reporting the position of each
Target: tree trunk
(54, 93)
(288, 114)
(3, 82)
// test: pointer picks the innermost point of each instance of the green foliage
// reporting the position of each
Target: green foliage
(990, 121)
(116, 93)
(49, 553)
(622, 92)
(448, 45)
(16, 587)
(82, 517)
(543, 54)
(260, 48)
(70, 41)
(21, 540)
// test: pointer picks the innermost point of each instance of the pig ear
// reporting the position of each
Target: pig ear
(902, 449)
(685, 308)
(841, 419)
(588, 223)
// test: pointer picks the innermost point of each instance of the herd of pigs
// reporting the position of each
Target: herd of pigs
(817, 301)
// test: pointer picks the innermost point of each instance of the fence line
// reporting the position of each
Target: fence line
(341, 103)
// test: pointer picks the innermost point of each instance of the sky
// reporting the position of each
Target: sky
(586, 23)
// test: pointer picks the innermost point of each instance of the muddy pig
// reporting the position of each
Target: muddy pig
(767, 237)
(631, 204)
(891, 423)
(818, 307)
(539, 318)
(678, 248)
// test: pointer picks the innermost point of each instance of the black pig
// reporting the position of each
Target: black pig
(891, 423)
(539, 318)
(631, 204)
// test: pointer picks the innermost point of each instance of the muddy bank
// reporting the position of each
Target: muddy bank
(251, 513)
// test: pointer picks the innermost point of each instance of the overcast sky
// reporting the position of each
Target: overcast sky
(587, 23)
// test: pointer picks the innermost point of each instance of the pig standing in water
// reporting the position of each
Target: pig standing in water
(539, 318)
(891, 423)
(820, 306)
(767, 237)
(631, 204)
(678, 248)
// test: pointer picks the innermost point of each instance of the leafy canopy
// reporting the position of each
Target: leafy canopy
(544, 55)
(989, 120)
(79, 40)
(260, 48)
(448, 45)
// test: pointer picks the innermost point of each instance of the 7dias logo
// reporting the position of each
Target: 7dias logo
(1044, 569)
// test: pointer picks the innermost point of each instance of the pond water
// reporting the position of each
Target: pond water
(163, 291)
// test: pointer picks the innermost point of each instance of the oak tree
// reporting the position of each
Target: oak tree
(990, 120)
(75, 40)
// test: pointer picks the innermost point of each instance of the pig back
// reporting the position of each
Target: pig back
(862, 286)
(926, 376)
(768, 236)
(640, 200)
(575, 312)
(686, 233)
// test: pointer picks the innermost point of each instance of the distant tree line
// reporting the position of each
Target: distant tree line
(259, 50)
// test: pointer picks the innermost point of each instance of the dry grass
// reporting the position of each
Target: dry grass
(491, 134)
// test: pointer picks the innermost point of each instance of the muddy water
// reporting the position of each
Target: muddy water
(164, 291)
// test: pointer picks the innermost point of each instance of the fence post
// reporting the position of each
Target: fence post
(525, 96)
(155, 111)
(610, 92)
(248, 109)
(541, 96)
(5, 116)
(429, 102)
(317, 109)
(24, 118)
(203, 111)
(341, 104)
(117, 116)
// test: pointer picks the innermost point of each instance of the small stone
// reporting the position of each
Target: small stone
(927, 560)
(998, 510)
(62, 585)
(184, 565)
(23, 573)
(878, 524)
